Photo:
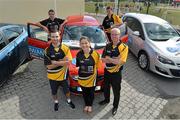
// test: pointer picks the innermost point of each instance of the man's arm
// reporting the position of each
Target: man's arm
(51, 64)
(61, 25)
(42, 26)
(104, 56)
(57, 64)
(121, 59)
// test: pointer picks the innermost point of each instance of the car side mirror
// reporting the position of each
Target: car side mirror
(136, 33)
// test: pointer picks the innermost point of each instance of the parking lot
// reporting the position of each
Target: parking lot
(27, 95)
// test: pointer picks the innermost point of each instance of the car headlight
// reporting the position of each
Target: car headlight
(165, 60)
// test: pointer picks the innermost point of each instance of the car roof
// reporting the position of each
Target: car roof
(82, 20)
(8, 25)
(145, 18)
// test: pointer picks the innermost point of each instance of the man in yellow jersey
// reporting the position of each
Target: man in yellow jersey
(110, 21)
(56, 58)
(114, 56)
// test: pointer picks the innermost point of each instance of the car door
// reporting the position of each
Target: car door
(17, 48)
(135, 41)
(37, 41)
(20, 40)
(4, 62)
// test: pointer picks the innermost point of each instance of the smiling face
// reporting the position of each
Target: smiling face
(115, 35)
(55, 38)
(51, 15)
(109, 11)
(85, 43)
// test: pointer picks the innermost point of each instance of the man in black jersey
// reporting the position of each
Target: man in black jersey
(51, 23)
(114, 56)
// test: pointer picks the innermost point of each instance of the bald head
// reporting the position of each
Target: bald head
(116, 30)
(115, 35)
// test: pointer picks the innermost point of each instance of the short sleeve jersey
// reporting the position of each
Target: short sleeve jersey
(59, 73)
(121, 51)
(87, 64)
(52, 25)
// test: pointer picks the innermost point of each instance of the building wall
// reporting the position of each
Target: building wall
(23, 11)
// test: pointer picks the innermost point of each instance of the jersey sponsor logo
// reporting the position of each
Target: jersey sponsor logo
(82, 61)
(52, 56)
(108, 51)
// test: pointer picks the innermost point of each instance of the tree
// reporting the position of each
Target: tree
(148, 3)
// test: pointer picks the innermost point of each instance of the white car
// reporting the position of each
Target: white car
(155, 43)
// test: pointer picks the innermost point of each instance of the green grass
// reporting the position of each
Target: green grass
(170, 14)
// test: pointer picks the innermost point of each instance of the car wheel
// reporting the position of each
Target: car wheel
(143, 61)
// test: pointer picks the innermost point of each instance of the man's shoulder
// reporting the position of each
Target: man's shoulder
(122, 46)
(59, 19)
(64, 46)
(47, 50)
(106, 17)
(45, 20)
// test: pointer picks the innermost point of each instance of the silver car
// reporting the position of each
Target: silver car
(155, 43)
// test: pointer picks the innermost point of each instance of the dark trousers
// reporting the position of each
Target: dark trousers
(88, 95)
(55, 85)
(109, 36)
(113, 79)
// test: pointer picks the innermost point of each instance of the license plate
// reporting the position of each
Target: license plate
(98, 88)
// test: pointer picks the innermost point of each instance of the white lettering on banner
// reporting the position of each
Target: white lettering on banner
(38, 52)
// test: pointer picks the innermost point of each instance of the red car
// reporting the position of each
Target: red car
(71, 32)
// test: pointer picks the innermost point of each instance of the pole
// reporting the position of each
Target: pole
(55, 7)
(118, 7)
(115, 5)
(148, 5)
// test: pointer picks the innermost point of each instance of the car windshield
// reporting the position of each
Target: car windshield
(72, 34)
(160, 32)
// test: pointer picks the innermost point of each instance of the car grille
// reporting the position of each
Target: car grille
(175, 72)
(161, 71)
(178, 64)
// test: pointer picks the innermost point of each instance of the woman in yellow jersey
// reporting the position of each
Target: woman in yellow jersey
(87, 60)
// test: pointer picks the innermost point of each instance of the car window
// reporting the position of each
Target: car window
(94, 33)
(2, 43)
(135, 25)
(12, 33)
(39, 33)
(160, 32)
(129, 21)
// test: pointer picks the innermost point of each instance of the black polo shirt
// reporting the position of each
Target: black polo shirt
(107, 22)
(115, 51)
(52, 24)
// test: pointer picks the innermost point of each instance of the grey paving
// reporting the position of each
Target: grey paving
(27, 95)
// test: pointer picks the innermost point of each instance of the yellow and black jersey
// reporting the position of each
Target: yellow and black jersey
(51, 53)
(108, 22)
(121, 51)
(87, 64)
